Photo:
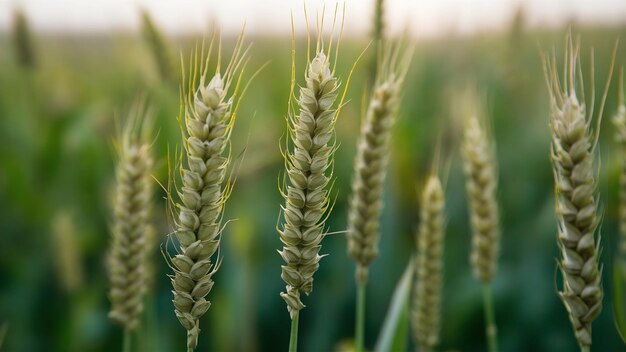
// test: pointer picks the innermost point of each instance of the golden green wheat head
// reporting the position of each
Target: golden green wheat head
(371, 161)
(575, 176)
(306, 195)
(427, 295)
(481, 185)
(132, 222)
(619, 121)
(208, 114)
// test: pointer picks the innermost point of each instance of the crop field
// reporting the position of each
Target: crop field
(71, 218)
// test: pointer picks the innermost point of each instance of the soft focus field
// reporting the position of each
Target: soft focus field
(57, 123)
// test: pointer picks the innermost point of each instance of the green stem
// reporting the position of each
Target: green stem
(127, 341)
(293, 338)
(360, 318)
(490, 320)
(585, 349)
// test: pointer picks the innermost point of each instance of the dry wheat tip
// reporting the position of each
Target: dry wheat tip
(481, 186)
(308, 172)
(208, 113)
(132, 226)
(575, 175)
(371, 163)
(426, 302)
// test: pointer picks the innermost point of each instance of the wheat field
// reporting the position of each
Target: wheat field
(64, 98)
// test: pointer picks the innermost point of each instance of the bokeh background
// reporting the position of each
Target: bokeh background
(68, 70)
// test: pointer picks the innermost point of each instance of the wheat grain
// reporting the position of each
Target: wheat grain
(208, 115)
(426, 305)
(131, 226)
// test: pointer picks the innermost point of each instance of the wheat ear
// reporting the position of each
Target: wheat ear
(132, 223)
(620, 125)
(208, 114)
(426, 305)
(371, 161)
(481, 186)
(159, 46)
(575, 171)
(308, 164)
(23, 40)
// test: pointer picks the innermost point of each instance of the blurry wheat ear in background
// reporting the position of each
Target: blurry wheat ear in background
(575, 170)
(161, 51)
(370, 167)
(132, 222)
(427, 295)
(620, 126)
(481, 184)
(23, 40)
(208, 113)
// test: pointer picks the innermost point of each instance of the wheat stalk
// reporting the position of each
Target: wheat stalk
(208, 114)
(573, 153)
(132, 223)
(426, 307)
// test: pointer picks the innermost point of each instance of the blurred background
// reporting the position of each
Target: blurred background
(68, 68)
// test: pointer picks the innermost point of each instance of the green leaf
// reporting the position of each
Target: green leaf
(394, 333)
(619, 272)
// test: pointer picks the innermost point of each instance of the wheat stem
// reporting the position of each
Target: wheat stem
(293, 336)
(360, 318)
(491, 329)
(126, 342)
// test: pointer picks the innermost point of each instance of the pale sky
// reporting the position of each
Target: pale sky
(424, 18)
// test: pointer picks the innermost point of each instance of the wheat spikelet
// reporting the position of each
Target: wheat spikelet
(572, 153)
(481, 186)
(371, 162)
(620, 125)
(131, 226)
(208, 115)
(426, 305)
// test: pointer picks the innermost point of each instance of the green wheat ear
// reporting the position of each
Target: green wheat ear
(132, 222)
(575, 170)
(370, 165)
(208, 111)
(159, 46)
(427, 295)
(308, 163)
(23, 40)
